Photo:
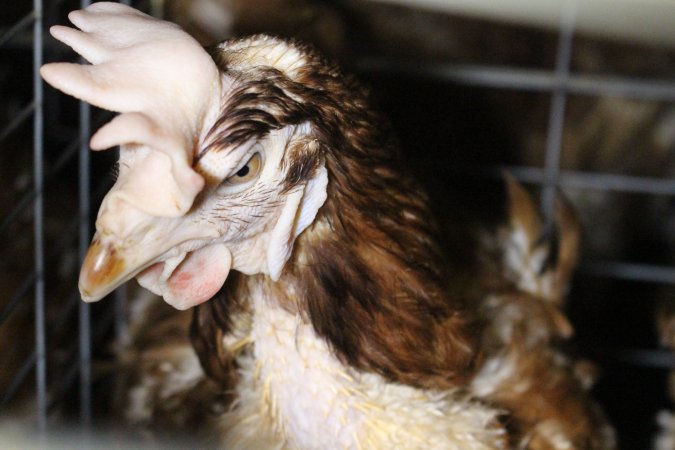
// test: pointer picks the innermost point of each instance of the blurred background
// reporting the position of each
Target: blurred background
(575, 97)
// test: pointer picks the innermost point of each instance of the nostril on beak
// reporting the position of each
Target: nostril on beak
(101, 268)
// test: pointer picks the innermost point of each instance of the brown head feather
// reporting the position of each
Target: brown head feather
(374, 285)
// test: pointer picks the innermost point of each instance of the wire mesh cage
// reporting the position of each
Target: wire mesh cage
(53, 184)
(53, 364)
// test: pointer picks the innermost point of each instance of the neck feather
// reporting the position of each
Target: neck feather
(371, 279)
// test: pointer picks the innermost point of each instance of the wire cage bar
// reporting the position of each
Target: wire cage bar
(84, 335)
(38, 135)
(529, 80)
(32, 202)
(559, 83)
(557, 112)
(22, 24)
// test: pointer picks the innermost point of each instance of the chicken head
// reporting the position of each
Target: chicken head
(196, 194)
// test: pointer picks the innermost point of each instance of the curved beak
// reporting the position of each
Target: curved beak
(111, 262)
(104, 269)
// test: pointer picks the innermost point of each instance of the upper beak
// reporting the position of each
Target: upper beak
(111, 261)
(105, 268)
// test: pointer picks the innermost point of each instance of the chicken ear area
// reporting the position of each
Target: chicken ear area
(196, 279)
(299, 211)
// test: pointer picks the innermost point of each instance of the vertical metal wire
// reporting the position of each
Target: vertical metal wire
(38, 229)
(84, 308)
(84, 335)
(157, 8)
(120, 295)
(121, 326)
(557, 111)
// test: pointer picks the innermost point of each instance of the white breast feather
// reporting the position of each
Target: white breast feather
(295, 394)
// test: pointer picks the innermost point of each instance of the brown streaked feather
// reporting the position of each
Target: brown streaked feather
(522, 212)
(549, 408)
(543, 390)
(376, 289)
(303, 161)
(386, 320)
(569, 230)
(211, 323)
(548, 255)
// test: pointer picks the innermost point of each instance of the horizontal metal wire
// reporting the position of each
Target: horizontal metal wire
(72, 301)
(531, 80)
(24, 202)
(16, 297)
(30, 195)
(593, 180)
(102, 327)
(29, 362)
(59, 392)
(18, 380)
(21, 117)
(29, 281)
(18, 27)
(631, 271)
(70, 231)
(64, 157)
(643, 357)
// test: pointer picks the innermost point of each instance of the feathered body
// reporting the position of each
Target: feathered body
(365, 340)
(342, 327)
(363, 301)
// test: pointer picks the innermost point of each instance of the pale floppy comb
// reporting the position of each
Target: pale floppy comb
(164, 84)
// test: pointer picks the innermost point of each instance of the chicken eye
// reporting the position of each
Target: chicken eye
(247, 173)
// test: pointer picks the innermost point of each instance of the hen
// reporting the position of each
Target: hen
(340, 325)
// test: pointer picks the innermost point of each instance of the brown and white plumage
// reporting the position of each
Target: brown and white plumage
(341, 327)
(525, 370)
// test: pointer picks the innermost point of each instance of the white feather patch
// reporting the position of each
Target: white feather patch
(294, 393)
(297, 214)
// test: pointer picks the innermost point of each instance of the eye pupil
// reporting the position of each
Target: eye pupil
(243, 171)
(247, 173)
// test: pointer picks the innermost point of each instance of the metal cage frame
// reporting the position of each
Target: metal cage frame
(37, 360)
